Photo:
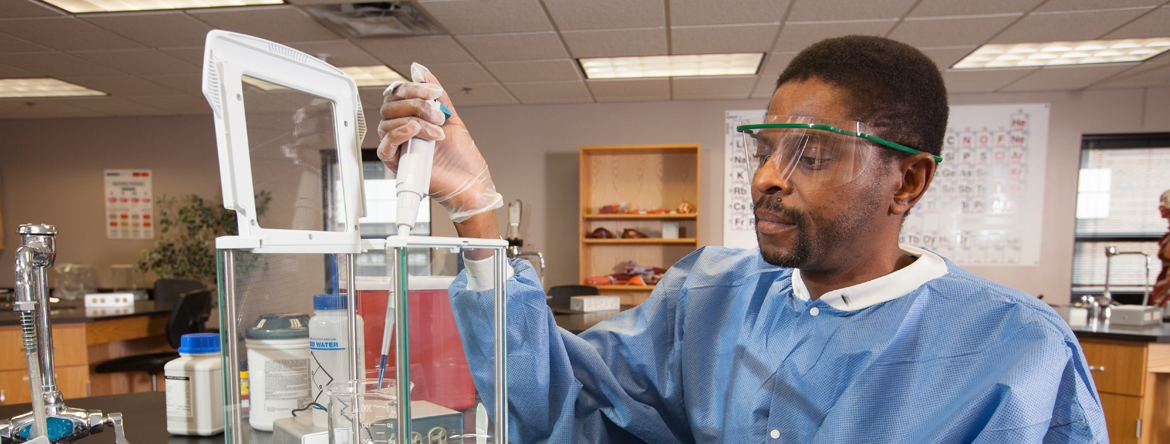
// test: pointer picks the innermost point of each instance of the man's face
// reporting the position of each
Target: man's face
(815, 229)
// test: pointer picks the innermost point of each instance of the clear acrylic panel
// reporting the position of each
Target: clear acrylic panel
(281, 373)
(291, 137)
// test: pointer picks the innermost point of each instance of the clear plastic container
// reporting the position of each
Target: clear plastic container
(329, 345)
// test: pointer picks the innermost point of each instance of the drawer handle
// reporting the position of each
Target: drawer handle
(1096, 368)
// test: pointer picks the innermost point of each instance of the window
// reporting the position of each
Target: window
(1121, 179)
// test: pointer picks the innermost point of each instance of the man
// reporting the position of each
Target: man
(829, 332)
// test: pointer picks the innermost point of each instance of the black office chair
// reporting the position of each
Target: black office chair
(168, 291)
(188, 316)
(560, 295)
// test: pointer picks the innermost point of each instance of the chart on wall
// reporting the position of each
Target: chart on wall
(984, 207)
(129, 207)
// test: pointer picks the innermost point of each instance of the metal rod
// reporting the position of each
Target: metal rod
(402, 337)
(234, 415)
(501, 346)
(355, 372)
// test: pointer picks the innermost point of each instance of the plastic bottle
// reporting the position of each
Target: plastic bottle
(194, 386)
(329, 346)
(278, 367)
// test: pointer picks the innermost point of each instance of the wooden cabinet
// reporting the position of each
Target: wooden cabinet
(1133, 381)
(69, 356)
(645, 177)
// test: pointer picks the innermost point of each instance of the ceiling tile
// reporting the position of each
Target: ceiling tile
(816, 10)
(163, 29)
(775, 63)
(482, 94)
(281, 24)
(607, 14)
(1061, 26)
(8, 72)
(1074, 5)
(765, 88)
(797, 36)
(112, 106)
(950, 31)
(454, 73)
(65, 34)
(550, 92)
(511, 47)
(1141, 76)
(630, 90)
(982, 80)
(945, 57)
(1065, 77)
(429, 49)
(9, 44)
(700, 88)
(722, 38)
(339, 52)
(40, 108)
(534, 71)
(123, 86)
(1154, 24)
(176, 104)
(189, 84)
(192, 55)
(139, 61)
(616, 43)
(726, 12)
(489, 17)
(56, 64)
(940, 8)
(27, 8)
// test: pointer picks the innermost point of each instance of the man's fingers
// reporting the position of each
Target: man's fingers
(424, 91)
(420, 73)
(393, 109)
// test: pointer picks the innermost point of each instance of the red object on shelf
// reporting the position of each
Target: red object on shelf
(438, 366)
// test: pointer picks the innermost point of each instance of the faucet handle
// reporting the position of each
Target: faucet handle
(116, 422)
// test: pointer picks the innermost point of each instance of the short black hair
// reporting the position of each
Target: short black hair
(892, 86)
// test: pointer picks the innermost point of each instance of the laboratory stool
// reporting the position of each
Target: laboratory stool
(188, 316)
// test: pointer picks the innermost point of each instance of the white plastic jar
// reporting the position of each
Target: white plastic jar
(329, 347)
(278, 367)
(194, 387)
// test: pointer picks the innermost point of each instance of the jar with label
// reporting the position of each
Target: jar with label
(278, 367)
(194, 387)
(329, 346)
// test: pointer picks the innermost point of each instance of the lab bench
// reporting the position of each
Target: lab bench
(144, 416)
(1131, 368)
(82, 340)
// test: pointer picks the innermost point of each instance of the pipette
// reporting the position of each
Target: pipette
(412, 184)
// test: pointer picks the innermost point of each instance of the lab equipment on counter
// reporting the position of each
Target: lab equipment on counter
(74, 281)
(50, 419)
(270, 268)
(194, 386)
(328, 346)
(595, 303)
(278, 367)
(515, 211)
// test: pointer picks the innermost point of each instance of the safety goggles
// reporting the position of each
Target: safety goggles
(813, 153)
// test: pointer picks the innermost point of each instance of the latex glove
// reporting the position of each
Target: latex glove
(460, 181)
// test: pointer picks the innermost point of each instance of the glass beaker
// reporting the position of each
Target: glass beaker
(376, 408)
(74, 281)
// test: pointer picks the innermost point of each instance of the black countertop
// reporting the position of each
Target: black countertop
(66, 312)
(1105, 330)
(144, 418)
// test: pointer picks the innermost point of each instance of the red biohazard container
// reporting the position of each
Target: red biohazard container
(438, 366)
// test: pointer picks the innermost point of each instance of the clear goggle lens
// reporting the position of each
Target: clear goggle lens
(805, 156)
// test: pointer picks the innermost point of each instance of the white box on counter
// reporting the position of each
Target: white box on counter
(595, 303)
(1136, 315)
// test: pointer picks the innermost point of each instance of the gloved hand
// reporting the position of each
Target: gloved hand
(460, 181)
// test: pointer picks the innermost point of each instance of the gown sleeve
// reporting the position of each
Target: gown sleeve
(617, 382)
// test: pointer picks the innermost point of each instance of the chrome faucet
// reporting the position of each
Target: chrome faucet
(514, 241)
(50, 420)
(1111, 251)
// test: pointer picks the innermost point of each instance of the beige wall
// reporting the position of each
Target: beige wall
(532, 150)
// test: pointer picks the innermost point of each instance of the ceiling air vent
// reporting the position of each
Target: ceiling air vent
(375, 19)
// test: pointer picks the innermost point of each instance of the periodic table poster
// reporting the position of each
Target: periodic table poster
(129, 204)
(985, 206)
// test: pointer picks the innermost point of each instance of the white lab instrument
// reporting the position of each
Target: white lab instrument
(194, 386)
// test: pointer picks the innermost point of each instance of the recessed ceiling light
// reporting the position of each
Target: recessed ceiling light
(43, 87)
(84, 6)
(741, 64)
(365, 76)
(1064, 53)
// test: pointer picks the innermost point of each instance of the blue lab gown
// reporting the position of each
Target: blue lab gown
(722, 351)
